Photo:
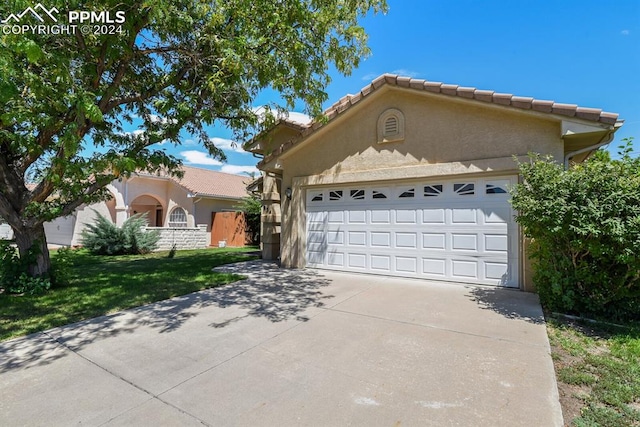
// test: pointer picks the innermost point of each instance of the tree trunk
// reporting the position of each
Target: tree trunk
(32, 245)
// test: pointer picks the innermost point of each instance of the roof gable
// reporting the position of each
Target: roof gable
(504, 100)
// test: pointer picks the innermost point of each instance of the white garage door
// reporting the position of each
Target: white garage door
(461, 231)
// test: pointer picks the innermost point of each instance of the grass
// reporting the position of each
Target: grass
(101, 285)
(598, 371)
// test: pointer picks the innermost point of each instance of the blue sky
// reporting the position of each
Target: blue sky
(583, 52)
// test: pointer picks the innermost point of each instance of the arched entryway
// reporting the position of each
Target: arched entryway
(149, 205)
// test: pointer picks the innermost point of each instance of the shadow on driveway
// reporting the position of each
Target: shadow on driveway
(268, 291)
(510, 303)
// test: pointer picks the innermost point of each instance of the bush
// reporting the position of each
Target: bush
(585, 229)
(105, 238)
(13, 272)
(252, 208)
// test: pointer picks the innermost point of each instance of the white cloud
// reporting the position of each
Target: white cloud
(193, 157)
(625, 32)
(369, 77)
(293, 116)
(237, 169)
(298, 117)
(405, 73)
(227, 144)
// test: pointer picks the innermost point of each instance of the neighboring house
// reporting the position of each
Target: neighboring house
(410, 178)
(185, 211)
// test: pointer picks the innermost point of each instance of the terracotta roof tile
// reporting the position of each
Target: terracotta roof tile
(504, 99)
(205, 182)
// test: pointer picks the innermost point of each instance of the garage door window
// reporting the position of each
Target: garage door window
(432, 190)
(408, 194)
(357, 194)
(335, 195)
(495, 189)
(378, 194)
(464, 189)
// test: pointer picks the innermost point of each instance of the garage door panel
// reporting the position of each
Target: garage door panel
(497, 215)
(335, 259)
(335, 237)
(496, 243)
(406, 264)
(406, 216)
(357, 217)
(464, 242)
(406, 240)
(463, 216)
(433, 216)
(380, 217)
(335, 217)
(466, 235)
(315, 258)
(495, 270)
(464, 269)
(357, 260)
(434, 266)
(434, 241)
(357, 238)
(381, 263)
(381, 239)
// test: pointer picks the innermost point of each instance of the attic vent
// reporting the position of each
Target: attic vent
(391, 126)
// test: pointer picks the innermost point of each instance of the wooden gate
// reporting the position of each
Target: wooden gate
(229, 227)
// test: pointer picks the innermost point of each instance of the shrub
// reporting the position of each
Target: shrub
(252, 208)
(13, 272)
(585, 229)
(105, 238)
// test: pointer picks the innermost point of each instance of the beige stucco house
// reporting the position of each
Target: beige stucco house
(410, 178)
(181, 209)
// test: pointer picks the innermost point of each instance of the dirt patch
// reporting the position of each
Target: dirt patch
(569, 394)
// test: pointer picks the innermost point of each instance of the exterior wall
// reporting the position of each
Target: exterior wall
(271, 217)
(147, 193)
(442, 138)
(203, 208)
(182, 238)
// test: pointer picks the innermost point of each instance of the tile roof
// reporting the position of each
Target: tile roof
(213, 183)
(471, 93)
(205, 182)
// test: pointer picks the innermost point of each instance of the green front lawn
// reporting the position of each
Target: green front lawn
(105, 284)
(598, 371)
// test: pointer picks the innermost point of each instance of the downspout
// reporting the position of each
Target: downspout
(604, 141)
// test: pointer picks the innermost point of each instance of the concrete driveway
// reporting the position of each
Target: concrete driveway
(293, 348)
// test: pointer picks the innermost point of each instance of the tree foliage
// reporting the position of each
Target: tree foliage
(177, 65)
(251, 206)
(585, 229)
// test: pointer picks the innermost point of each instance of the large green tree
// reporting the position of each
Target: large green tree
(176, 64)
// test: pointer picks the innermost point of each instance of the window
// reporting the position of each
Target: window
(178, 217)
(378, 195)
(335, 195)
(391, 126)
(495, 189)
(317, 197)
(432, 190)
(357, 194)
(407, 194)
(464, 189)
